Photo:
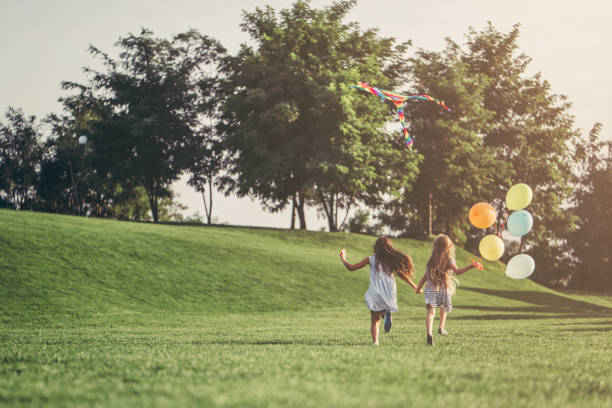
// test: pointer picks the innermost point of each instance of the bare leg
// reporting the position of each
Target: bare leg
(442, 318)
(375, 324)
(431, 313)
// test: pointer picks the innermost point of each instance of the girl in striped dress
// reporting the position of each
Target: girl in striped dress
(440, 282)
(381, 296)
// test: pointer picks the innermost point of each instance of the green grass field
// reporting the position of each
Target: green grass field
(106, 313)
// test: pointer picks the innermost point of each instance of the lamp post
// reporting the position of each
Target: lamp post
(82, 141)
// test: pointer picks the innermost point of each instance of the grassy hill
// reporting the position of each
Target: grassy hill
(107, 313)
(54, 264)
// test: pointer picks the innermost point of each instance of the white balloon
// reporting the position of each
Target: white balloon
(83, 139)
(520, 266)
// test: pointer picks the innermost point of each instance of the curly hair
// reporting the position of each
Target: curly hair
(395, 260)
(438, 265)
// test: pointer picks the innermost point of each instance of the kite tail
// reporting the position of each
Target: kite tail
(407, 138)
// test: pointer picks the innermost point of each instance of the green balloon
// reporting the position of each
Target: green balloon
(519, 196)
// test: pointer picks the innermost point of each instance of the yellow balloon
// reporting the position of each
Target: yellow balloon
(519, 196)
(491, 247)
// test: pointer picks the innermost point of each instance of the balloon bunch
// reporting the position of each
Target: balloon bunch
(520, 222)
(483, 215)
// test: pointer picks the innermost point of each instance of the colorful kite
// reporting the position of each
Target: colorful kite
(398, 100)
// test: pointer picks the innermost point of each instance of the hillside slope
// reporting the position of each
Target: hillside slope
(55, 265)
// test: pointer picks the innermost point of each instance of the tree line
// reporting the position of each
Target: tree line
(278, 121)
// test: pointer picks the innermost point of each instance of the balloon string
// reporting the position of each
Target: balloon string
(475, 262)
(499, 233)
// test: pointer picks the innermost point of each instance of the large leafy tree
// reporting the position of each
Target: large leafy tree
(456, 166)
(533, 131)
(293, 128)
(154, 91)
(591, 241)
(21, 152)
(506, 127)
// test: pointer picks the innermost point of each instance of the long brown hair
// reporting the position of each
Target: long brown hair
(438, 265)
(396, 261)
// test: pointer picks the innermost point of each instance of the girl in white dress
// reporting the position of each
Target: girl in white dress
(381, 296)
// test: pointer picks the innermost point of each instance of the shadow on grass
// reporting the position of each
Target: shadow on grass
(602, 326)
(608, 323)
(283, 342)
(542, 306)
(589, 329)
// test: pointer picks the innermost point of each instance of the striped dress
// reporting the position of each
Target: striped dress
(440, 296)
(382, 293)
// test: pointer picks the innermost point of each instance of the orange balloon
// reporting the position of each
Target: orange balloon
(482, 215)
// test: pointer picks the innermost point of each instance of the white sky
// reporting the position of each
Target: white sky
(44, 42)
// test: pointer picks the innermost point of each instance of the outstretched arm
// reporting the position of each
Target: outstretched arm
(350, 266)
(407, 280)
(419, 287)
(459, 271)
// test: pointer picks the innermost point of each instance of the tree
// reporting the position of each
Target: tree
(591, 239)
(131, 204)
(154, 91)
(532, 130)
(294, 130)
(456, 165)
(360, 223)
(171, 211)
(209, 159)
(21, 152)
(204, 170)
(75, 175)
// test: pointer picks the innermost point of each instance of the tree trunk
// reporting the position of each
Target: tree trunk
(153, 201)
(293, 212)
(429, 215)
(348, 209)
(330, 223)
(333, 213)
(154, 211)
(208, 208)
(328, 209)
(300, 210)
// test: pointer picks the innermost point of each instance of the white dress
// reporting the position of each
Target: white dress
(382, 293)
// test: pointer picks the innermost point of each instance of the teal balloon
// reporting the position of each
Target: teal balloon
(519, 223)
